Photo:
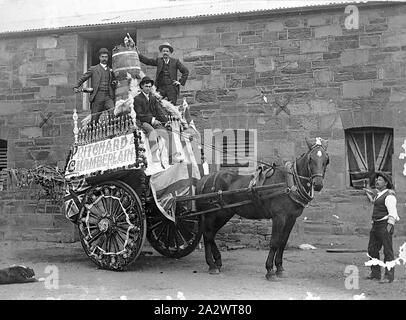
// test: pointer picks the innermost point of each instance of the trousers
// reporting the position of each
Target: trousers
(378, 237)
(170, 92)
(102, 101)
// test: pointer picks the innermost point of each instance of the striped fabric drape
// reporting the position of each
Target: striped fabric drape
(369, 150)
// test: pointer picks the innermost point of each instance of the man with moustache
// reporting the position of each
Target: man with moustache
(103, 83)
(384, 216)
(166, 78)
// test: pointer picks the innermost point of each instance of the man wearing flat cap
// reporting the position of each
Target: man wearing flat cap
(166, 78)
(384, 216)
(103, 83)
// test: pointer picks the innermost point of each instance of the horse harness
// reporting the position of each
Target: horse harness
(295, 189)
(251, 191)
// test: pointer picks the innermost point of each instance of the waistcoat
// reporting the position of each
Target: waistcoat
(380, 209)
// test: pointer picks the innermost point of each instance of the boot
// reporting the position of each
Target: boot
(389, 276)
(375, 273)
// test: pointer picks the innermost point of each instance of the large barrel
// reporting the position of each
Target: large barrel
(125, 61)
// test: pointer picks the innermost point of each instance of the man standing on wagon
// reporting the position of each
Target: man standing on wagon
(166, 78)
(103, 83)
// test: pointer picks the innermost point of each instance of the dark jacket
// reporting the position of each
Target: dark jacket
(146, 110)
(94, 72)
(174, 66)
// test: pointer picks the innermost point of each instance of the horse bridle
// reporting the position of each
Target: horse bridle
(313, 175)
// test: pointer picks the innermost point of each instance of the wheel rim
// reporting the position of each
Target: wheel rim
(112, 225)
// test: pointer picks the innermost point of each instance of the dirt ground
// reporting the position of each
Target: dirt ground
(311, 274)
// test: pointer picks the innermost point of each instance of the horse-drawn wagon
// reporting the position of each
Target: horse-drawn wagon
(123, 187)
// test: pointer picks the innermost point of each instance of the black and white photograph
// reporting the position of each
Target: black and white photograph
(202, 156)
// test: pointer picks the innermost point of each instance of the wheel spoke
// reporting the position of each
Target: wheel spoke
(158, 237)
(167, 236)
(96, 211)
(103, 204)
(103, 242)
(120, 214)
(184, 232)
(116, 247)
(185, 242)
(156, 225)
(122, 241)
(99, 205)
(115, 208)
(108, 243)
(95, 237)
(174, 236)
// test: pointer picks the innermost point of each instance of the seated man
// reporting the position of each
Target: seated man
(147, 107)
(149, 112)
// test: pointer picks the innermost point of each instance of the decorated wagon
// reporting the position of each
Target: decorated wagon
(120, 189)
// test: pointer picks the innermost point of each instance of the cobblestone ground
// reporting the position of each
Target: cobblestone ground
(313, 274)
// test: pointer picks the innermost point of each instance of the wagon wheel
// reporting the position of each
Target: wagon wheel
(174, 240)
(112, 225)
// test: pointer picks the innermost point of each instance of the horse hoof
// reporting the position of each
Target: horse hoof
(281, 274)
(270, 276)
(214, 271)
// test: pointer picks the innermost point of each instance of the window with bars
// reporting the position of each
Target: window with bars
(3, 164)
(369, 150)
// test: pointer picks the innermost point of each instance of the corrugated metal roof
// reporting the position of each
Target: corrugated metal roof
(53, 19)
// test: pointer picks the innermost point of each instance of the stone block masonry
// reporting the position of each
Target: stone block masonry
(33, 121)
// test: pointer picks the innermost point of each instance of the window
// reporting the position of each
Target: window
(369, 150)
(3, 164)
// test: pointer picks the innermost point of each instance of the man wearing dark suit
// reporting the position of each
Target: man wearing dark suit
(147, 107)
(102, 97)
(166, 78)
(151, 115)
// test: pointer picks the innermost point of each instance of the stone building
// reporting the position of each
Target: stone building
(324, 70)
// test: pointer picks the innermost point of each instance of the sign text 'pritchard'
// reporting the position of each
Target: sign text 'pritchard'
(102, 155)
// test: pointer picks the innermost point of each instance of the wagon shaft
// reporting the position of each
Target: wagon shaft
(252, 196)
(267, 190)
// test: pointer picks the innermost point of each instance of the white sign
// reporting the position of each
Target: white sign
(102, 155)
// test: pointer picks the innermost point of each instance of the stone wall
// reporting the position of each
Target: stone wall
(336, 78)
(36, 104)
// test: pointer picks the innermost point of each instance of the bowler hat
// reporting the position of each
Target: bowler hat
(103, 50)
(145, 80)
(166, 45)
(387, 178)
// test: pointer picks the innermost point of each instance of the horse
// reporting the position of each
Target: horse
(300, 179)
